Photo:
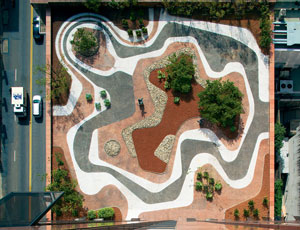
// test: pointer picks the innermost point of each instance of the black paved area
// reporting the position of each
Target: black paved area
(219, 50)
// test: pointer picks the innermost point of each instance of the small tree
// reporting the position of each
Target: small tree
(265, 201)
(236, 213)
(92, 5)
(246, 213)
(180, 73)
(206, 175)
(199, 186)
(85, 42)
(220, 102)
(218, 186)
(278, 197)
(251, 204)
(256, 213)
(106, 213)
(91, 214)
(199, 176)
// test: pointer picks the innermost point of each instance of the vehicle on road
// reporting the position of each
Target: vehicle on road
(36, 27)
(19, 101)
(37, 106)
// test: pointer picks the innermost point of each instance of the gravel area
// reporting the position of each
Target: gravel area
(112, 148)
(163, 151)
(159, 98)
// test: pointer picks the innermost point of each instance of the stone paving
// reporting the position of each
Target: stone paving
(222, 50)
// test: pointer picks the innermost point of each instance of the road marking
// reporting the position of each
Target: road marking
(15, 155)
(15, 118)
(30, 122)
(16, 74)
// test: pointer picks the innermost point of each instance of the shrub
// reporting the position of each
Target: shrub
(218, 186)
(199, 176)
(265, 201)
(130, 32)
(138, 33)
(251, 204)
(92, 5)
(278, 197)
(124, 23)
(176, 100)
(144, 30)
(256, 213)
(75, 212)
(98, 106)
(107, 103)
(236, 213)
(199, 186)
(103, 93)
(209, 196)
(91, 214)
(246, 213)
(167, 85)
(205, 188)
(220, 102)
(206, 175)
(106, 213)
(211, 181)
(85, 42)
(180, 73)
(58, 159)
(88, 97)
(141, 22)
(279, 136)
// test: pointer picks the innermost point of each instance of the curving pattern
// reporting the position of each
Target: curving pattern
(214, 43)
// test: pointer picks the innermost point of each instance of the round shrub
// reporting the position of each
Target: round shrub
(85, 42)
(91, 214)
(106, 213)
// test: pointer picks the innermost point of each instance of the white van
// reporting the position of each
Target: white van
(37, 106)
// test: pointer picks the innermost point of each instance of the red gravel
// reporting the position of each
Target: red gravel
(147, 140)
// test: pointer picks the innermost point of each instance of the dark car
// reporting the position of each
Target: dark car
(36, 28)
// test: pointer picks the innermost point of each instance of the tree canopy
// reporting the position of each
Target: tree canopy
(279, 136)
(220, 102)
(85, 42)
(180, 73)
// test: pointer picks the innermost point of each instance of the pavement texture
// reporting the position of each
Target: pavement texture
(219, 50)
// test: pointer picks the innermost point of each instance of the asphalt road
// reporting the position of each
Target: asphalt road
(16, 133)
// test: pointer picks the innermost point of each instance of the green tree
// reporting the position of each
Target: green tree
(106, 213)
(71, 200)
(279, 136)
(278, 197)
(220, 102)
(92, 5)
(85, 42)
(236, 213)
(180, 73)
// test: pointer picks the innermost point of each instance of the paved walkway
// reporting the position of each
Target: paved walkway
(215, 45)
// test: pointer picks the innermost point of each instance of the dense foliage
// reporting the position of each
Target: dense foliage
(106, 213)
(278, 197)
(72, 200)
(180, 73)
(220, 102)
(279, 136)
(85, 42)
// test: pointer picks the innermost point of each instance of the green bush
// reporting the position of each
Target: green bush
(180, 73)
(58, 159)
(130, 32)
(209, 196)
(199, 186)
(218, 186)
(211, 181)
(85, 42)
(265, 201)
(138, 33)
(176, 100)
(246, 213)
(91, 214)
(141, 22)
(124, 23)
(205, 188)
(144, 30)
(220, 102)
(251, 204)
(206, 175)
(107, 103)
(278, 197)
(106, 213)
(98, 106)
(199, 176)
(103, 93)
(167, 85)
(279, 136)
(92, 5)
(256, 213)
(88, 97)
(236, 213)
(75, 212)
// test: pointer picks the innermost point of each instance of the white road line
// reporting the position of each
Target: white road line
(16, 74)
(15, 155)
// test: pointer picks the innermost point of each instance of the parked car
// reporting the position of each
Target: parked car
(37, 106)
(36, 27)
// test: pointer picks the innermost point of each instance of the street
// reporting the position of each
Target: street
(16, 157)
